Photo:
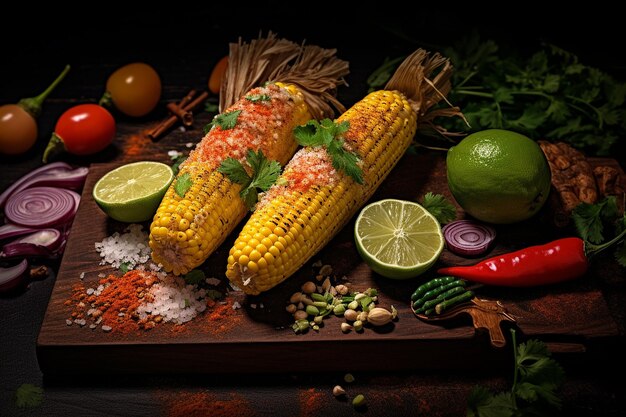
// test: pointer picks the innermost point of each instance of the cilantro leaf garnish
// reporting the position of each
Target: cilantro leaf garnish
(28, 395)
(588, 218)
(225, 121)
(264, 175)
(258, 97)
(437, 205)
(328, 134)
(183, 184)
(536, 379)
(194, 277)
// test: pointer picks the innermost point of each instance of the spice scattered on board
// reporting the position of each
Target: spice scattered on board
(204, 403)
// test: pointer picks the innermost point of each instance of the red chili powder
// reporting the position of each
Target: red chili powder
(137, 144)
(310, 401)
(565, 308)
(203, 403)
(221, 318)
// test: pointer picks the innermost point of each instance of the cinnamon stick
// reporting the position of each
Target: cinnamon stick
(185, 106)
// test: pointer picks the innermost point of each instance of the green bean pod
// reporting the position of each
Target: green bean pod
(441, 307)
(421, 290)
(435, 292)
(441, 297)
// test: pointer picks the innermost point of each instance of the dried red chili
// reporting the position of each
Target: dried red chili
(554, 262)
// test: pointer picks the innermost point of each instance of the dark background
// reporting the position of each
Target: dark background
(183, 41)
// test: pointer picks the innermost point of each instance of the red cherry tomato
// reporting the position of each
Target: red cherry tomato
(82, 130)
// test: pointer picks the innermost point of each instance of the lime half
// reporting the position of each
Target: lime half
(132, 193)
(398, 239)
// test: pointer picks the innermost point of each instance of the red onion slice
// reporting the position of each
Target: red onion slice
(22, 250)
(55, 166)
(73, 179)
(41, 207)
(467, 237)
(12, 230)
(49, 238)
(12, 276)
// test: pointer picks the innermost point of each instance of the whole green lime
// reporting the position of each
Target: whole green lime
(498, 176)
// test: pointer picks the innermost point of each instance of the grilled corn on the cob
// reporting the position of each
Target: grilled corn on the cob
(202, 206)
(293, 221)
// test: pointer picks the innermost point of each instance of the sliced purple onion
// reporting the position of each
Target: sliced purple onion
(467, 237)
(41, 207)
(11, 230)
(49, 238)
(73, 179)
(23, 250)
(53, 167)
(12, 276)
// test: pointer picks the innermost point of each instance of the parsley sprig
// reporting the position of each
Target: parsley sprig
(258, 97)
(329, 135)
(550, 94)
(264, 173)
(536, 379)
(591, 219)
(440, 207)
(225, 121)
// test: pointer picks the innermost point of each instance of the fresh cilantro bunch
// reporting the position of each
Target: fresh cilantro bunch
(550, 95)
(536, 379)
(440, 207)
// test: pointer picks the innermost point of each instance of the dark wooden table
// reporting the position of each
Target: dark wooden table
(183, 46)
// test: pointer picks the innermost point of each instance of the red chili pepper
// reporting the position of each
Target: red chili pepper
(554, 262)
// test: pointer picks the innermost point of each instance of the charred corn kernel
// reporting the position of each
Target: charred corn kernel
(211, 207)
(312, 200)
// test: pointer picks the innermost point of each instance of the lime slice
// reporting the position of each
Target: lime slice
(398, 239)
(132, 193)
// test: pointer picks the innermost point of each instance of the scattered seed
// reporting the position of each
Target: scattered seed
(358, 401)
(341, 289)
(349, 378)
(350, 315)
(291, 308)
(300, 315)
(308, 287)
(358, 325)
(345, 327)
(295, 297)
(106, 328)
(338, 391)
(326, 270)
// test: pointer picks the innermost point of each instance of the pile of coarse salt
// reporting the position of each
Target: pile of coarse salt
(174, 300)
(130, 248)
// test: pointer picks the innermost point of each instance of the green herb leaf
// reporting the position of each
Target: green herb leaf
(481, 403)
(183, 184)
(588, 218)
(28, 396)
(264, 175)
(327, 133)
(214, 295)
(225, 120)
(536, 379)
(437, 205)
(211, 107)
(235, 171)
(258, 97)
(124, 267)
(194, 277)
(382, 74)
(177, 160)
(547, 95)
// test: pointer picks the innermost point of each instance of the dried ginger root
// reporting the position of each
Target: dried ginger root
(572, 175)
(608, 180)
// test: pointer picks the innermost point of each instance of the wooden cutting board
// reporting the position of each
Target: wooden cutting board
(572, 317)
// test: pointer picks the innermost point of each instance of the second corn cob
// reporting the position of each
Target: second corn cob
(314, 199)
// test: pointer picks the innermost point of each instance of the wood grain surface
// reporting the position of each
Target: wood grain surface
(572, 317)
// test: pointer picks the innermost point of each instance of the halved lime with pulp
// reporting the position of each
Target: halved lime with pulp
(398, 239)
(132, 193)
